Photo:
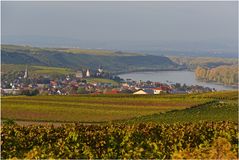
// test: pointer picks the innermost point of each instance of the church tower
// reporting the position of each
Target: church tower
(88, 73)
(26, 73)
(100, 69)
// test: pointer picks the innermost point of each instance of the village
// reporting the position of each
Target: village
(89, 82)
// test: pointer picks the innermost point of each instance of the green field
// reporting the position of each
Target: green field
(103, 108)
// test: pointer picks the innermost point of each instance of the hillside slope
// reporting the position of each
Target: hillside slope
(111, 61)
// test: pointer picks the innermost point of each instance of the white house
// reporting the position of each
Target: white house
(79, 74)
(11, 91)
(157, 90)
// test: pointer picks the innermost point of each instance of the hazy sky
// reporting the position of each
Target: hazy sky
(123, 21)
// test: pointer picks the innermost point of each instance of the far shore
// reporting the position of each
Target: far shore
(150, 70)
(234, 86)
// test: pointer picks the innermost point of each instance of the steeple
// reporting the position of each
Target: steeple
(26, 73)
(88, 73)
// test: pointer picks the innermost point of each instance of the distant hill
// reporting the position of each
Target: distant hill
(210, 62)
(80, 58)
(35, 50)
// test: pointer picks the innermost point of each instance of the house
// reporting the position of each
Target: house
(165, 88)
(10, 91)
(112, 92)
(58, 92)
(175, 91)
(40, 85)
(53, 83)
(125, 85)
(79, 74)
(157, 90)
(149, 91)
(140, 92)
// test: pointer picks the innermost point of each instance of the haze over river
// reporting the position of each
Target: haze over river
(182, 77)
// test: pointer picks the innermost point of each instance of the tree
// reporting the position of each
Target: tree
(81, 90)
(29, 92)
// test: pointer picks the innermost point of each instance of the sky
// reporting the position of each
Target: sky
(146, 25)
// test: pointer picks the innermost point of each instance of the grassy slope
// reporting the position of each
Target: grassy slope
(40, 70)
(100, 108)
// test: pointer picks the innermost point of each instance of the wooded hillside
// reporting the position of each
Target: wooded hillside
(227, 75)
(69, 58)
(193, 62)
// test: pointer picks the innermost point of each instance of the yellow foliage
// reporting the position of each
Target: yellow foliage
(220, 149)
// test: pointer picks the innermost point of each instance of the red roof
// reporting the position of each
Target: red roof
(165, 88)
(158, 88)
(53, 83)
(112, 92)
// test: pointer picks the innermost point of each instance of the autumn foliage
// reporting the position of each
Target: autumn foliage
(118, 141)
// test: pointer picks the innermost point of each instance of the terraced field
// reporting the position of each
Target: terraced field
(91, 108)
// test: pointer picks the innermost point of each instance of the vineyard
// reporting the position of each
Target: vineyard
(92, 108)
(195, 126)
(187, 140)
(212, 111)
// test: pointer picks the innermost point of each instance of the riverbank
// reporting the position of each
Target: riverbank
(218, 83)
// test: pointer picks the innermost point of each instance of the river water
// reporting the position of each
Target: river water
(182, 77)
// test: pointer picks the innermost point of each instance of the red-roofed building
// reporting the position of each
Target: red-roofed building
(112, 92)
(157, 90)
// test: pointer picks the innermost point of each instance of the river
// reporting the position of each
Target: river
(182, 77)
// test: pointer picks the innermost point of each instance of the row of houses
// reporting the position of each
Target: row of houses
(151, 91)
(68, 85)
